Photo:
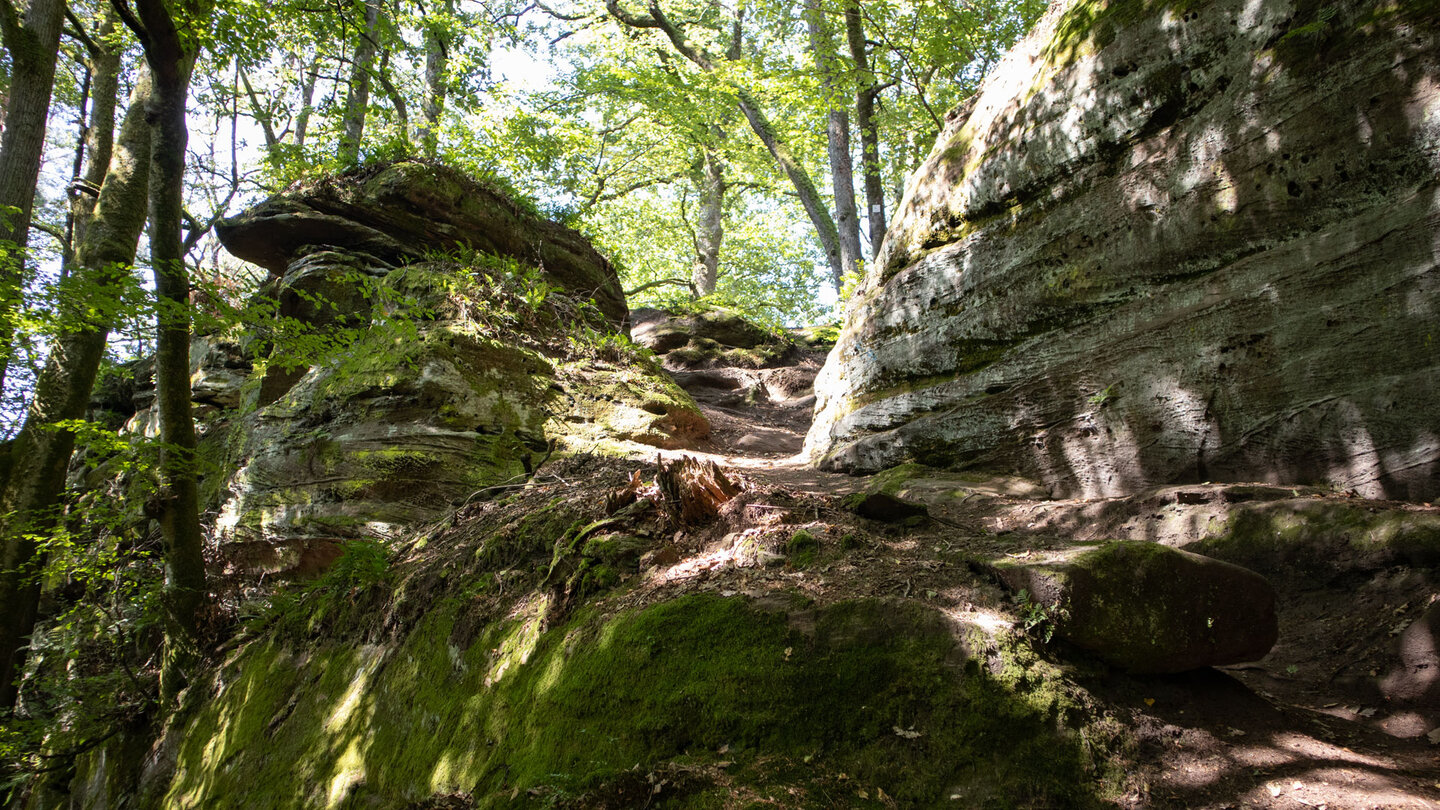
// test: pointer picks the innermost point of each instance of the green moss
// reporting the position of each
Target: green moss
(874, 690)
(1308, 537)
(801, 548)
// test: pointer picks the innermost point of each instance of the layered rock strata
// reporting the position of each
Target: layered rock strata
(1167, 242)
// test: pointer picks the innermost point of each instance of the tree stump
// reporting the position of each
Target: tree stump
(693, 490)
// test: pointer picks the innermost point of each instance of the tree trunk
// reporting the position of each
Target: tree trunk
(837, 131)
(100, 134)
(307, 95)
(865, 95)
(171, 59)
(710, 225)
(32, 40)
(397, 100)
(799, 178)
(357, 100)
(437, 62)
(41, 454)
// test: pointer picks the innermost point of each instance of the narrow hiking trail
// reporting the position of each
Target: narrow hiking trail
(1301, 728)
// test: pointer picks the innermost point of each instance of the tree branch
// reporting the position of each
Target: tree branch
(77, 32)
(678, 282)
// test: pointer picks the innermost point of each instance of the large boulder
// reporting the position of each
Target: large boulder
(1147, 608)
(398, 212)
(430, 344)
(1166, 243)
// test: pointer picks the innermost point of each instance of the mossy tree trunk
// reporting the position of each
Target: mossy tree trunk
(438, 41)
(32, 41)
(41, 453)
(170, 53)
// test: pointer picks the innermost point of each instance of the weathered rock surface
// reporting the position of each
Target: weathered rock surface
(397, 212)
(1149, 609)
(383, 396)
(1167, 243)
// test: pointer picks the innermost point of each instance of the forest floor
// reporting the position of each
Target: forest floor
(1304, 727)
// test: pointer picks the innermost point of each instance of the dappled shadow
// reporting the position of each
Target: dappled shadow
(1176, 244)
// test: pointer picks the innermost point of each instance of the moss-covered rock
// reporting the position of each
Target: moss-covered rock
(706, 337)
(1147, 608)
(863, 700)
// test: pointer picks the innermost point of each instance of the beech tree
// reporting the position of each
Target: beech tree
(31, 36)
(171, 40)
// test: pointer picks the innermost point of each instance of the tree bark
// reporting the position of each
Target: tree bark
(171, 57)
(99, 133)
(437, 63)
(357, 99)
(866, 91)
(41, 453)
(837, 131)
(710, 224)
(307, 96)
(33, 41)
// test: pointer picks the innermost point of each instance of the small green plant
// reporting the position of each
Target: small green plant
(1103, 396)
(1037, 618)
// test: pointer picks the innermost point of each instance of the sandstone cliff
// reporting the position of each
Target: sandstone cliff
(1168, 242)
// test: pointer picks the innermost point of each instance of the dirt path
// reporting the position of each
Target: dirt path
(1288, 732)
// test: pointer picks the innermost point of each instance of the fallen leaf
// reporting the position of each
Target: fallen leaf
(1370, 712)
(1149, 701)
(862, 794)
(1434, 738)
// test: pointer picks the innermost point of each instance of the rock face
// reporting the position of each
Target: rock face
(1168, 243)
(397, 212)
(392, 383)
(1149, 609)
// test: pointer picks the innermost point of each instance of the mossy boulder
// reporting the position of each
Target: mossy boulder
(1147, 608)
(868, 700)
(385, 396)
(710, 336)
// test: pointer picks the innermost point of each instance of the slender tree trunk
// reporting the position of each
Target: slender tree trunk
(397, 99)
(710, 228)
(33, 41)
(837, 131)
(865, 94)
(258, 111)
(307, 95)
(810, 198)
(41, 453)
(799, 178)
(357, 100)
(437, 62)
(99, 134)
(171, 57)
